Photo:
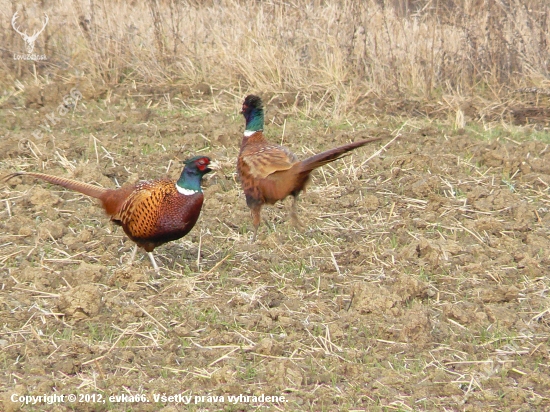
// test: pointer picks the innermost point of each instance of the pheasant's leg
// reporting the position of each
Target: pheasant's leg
(255, 211)
(133, 255)
(150, 254)
(255, 207)
(293, 215)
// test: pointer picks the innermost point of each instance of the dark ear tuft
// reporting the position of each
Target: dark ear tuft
(253, 101)
(197, 158)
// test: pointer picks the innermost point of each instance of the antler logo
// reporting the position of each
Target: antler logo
(29, 40)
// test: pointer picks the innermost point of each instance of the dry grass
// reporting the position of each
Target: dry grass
(333, 53)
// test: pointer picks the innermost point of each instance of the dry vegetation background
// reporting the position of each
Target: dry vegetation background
(420, 280)
(332, 51)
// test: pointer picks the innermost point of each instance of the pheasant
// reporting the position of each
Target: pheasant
(270, 172)
(151, 213)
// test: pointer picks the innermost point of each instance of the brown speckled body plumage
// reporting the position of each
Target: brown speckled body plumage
(155, 212)
(270, 172)
(151, 213)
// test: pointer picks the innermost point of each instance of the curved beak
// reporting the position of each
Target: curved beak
(213, 166)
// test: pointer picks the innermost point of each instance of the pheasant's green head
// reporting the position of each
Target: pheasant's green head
(191, 177)
(253, 112)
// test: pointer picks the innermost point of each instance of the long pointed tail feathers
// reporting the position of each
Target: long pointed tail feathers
(323, 158)
(85, 188)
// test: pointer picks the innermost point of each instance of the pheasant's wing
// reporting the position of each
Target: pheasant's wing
(140, 212)
(267, 159)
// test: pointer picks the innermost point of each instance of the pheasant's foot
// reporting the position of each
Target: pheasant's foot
(155, 266)
(133, 255)
(296, 220)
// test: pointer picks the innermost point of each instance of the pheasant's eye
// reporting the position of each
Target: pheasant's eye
(201, 164)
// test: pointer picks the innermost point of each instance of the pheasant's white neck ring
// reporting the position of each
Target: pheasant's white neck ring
(248, 133)
(186, 192)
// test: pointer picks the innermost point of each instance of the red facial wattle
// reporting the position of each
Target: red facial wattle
(202, 164)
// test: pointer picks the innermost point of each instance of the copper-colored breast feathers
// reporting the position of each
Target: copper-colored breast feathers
(156, 213)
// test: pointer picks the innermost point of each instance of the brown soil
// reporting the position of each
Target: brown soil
(418, 282)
